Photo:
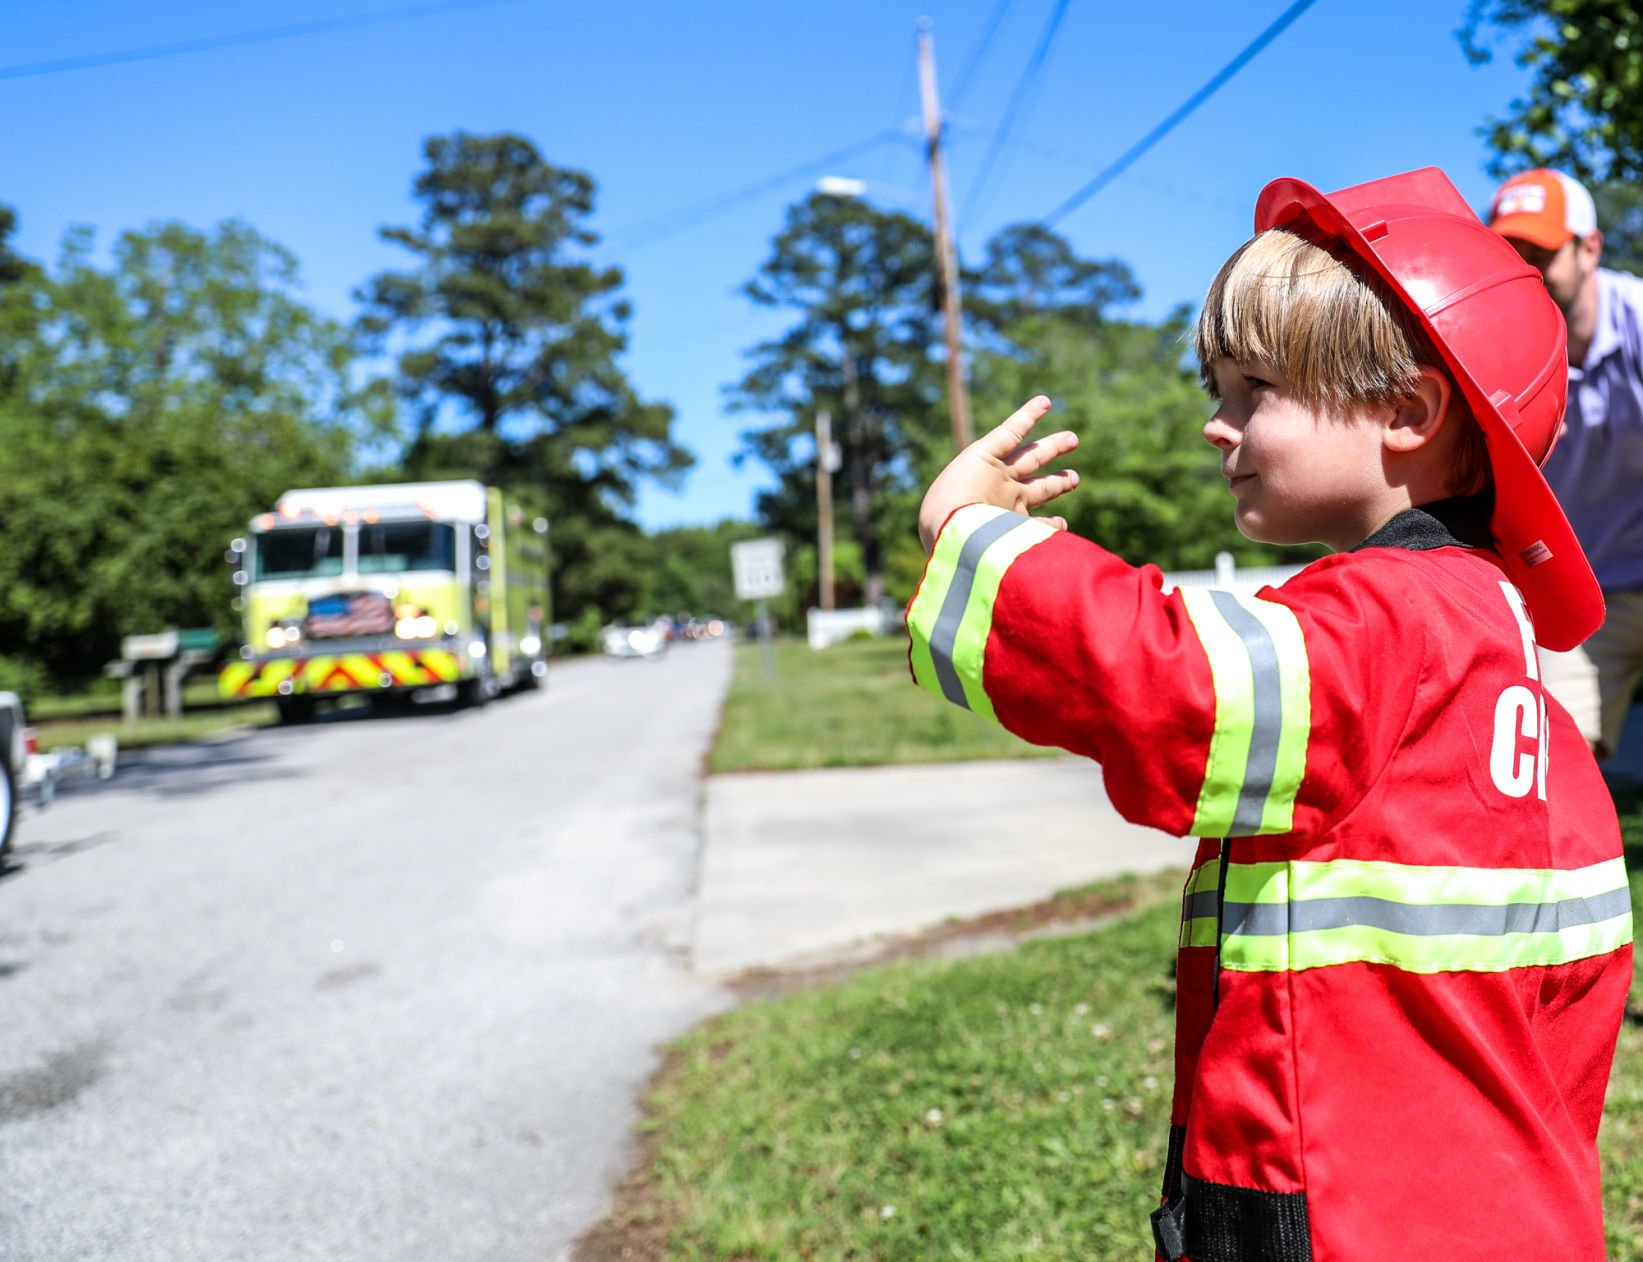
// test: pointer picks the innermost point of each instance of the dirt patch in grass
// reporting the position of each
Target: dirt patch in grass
(1069, 912)
(640, 1221)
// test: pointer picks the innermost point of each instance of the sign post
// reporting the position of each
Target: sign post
(757, 567)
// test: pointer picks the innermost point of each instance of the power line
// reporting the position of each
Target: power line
(668, 223)
(1030, 73)
(1084, 160)
(1117, 168)
(27, 69)
(978, 53)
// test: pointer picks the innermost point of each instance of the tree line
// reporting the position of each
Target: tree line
(151, 405)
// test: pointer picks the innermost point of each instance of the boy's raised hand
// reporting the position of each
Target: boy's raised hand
(999, 468)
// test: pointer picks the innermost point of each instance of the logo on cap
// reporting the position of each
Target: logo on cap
(1521, 199)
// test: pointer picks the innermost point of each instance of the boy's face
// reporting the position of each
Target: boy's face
(1300, 474)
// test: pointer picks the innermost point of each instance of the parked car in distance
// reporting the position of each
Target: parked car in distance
(648, 641)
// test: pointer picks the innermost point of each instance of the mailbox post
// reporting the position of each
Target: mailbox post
(154, 666)
(145, 657)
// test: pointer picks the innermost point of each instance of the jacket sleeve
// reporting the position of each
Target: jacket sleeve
(1199, 704)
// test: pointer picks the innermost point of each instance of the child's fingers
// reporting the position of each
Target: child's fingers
(1035, 455)
(1003, 440)
(1041, 490)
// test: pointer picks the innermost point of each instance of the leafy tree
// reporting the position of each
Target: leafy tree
(12, 265)
(148, 411)
(1583, 111)
(1031, 270)
(508, 340)
(1620, 216)
(688, 569)
(860, 284)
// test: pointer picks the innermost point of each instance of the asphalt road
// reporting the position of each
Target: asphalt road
(371, 989)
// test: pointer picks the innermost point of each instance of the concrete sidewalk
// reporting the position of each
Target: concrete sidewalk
(800, 866)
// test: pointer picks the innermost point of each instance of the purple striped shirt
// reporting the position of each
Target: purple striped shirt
(1596, 469)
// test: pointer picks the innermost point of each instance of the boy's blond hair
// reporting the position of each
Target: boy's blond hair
(1335, 333)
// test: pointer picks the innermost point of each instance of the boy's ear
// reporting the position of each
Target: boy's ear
(1419, 417)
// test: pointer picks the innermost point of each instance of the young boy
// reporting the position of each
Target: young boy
(1406, 939)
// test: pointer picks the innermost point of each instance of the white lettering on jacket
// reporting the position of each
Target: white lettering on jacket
(1517, 752)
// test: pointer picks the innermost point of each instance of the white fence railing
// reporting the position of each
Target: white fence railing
(829, 626)
(1226, 576)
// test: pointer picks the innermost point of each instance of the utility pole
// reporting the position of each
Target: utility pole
(958, 394)
(825, 459)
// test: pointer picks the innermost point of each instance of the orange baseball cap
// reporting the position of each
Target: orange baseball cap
(1544, 208)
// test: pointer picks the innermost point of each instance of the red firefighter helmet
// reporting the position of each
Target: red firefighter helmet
(1503, 341)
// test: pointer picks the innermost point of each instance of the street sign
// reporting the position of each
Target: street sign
(757, 564)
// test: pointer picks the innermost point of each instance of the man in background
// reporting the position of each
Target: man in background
(1596, 468)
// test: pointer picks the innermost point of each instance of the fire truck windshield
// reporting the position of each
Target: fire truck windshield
(389, 547)
(299, 552)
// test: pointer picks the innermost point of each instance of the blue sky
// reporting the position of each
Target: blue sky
(672, 106)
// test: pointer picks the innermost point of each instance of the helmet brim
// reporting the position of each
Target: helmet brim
(1538, 548)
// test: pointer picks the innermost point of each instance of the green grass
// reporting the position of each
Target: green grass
(1000, 1108)
(1621, 1139)
(851, 705)
(1005, 1107)
(193, 726)
(70, 720)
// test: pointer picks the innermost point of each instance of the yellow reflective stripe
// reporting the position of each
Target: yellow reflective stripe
(1263, 713)
(233, 677)
(1303, 879)
(319, 673)
(401, 665)
(1200, 931)
(1451, 953)
(1420, 918)
(1200, 911)
(952, 614)
(439, 664)
(252, 679)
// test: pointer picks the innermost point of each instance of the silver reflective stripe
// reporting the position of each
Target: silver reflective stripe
(1202, 905)
(1422, 920)
(945, 632)
(1267, 703)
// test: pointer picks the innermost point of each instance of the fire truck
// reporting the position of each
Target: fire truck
(387, 591)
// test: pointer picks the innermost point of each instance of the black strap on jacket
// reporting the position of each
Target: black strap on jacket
(1216, 1222)
(1168, 1227)
(1233, 1224)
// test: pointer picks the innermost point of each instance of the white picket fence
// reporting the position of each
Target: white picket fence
(829, 626)
(1226, 576)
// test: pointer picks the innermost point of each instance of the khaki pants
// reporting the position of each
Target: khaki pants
(1596, 682)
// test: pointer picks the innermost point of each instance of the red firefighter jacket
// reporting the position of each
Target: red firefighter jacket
(1406, 938)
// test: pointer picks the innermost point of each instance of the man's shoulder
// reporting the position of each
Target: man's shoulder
(1626, 289)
